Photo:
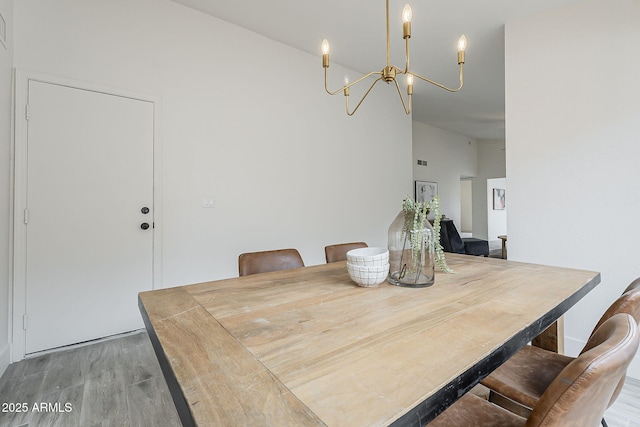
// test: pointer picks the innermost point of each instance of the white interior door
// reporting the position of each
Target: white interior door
(89, 178)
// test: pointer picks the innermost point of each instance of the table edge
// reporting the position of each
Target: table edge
(430, 408)
(179, 400)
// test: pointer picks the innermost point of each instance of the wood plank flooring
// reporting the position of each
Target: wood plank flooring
(625, 411)
(118, 382)
(115, 382)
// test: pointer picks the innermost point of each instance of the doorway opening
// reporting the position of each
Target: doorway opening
(466, 207)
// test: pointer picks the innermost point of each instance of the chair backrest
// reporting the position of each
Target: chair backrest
(450, 238)
(629, 302)
(266, 261)
(338, 252)
(581, 393)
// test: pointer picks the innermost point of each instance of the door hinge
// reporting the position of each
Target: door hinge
(25, 321)
(26, 112)
(26, 216)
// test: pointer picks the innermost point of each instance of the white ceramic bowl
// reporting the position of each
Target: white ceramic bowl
(368, 276)
(370, 257)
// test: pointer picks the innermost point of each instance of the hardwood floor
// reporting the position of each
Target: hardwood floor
(118, 382)
(625, 411)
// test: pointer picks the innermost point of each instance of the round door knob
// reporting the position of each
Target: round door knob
(145, 210)
(144, 225)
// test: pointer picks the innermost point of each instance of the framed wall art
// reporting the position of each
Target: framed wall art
(499, 202)
(425, 191)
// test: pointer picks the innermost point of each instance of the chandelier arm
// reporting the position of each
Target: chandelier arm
(406, 54)
(363, 97)
(407, 111)
(348, 85)
(440, 85)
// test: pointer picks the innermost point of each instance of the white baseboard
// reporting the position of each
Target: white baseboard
(5, 358)
(634, 368)
(495, 244)
(573, 347)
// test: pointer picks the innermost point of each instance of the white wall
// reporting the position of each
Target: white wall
(573, 138)
(6, 71)
(243, 119)
(449, 157)
(491, 164)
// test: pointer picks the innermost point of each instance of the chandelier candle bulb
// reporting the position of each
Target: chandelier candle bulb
(407, 14)
(462, 46)
(409, 84)
(325, 53)
(462, 43)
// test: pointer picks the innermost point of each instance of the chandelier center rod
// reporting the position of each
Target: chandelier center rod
(388, 39)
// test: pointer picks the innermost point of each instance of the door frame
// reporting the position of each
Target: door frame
(17, 291)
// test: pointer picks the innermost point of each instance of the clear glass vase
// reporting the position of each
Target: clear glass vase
(411, 254)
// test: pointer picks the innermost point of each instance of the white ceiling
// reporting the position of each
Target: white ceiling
(356, 31)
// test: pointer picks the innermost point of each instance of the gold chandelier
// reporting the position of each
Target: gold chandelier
(390, 72)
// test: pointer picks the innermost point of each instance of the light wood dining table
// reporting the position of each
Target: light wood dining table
(308, 347)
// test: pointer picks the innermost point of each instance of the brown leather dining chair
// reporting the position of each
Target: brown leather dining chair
(524, 377)
(338, 252)
(578, 396)
(266, 261)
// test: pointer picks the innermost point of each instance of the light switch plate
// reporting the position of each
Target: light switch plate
(208, 202)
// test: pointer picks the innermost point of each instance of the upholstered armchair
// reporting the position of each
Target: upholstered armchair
(452, 242)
